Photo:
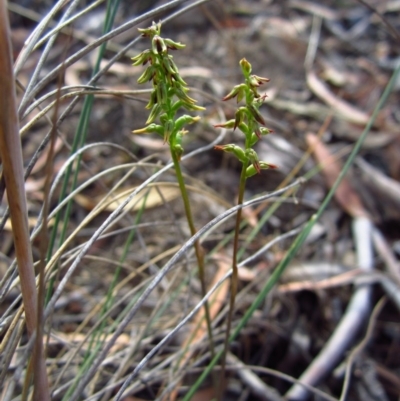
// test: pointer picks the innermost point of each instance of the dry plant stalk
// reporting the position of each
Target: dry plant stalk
(13, 171)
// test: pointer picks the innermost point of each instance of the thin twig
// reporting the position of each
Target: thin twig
(360, 347)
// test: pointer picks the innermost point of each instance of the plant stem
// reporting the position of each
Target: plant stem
(235, 276)
(13, 175)
(197, 246)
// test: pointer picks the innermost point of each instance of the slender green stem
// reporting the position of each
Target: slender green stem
(197, 246)
(235, 275)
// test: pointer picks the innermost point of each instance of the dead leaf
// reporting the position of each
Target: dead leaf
(339, 106)
(156, 196)
(345, 194)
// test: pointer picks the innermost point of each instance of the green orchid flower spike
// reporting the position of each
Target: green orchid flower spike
(169, 93)
(249, 120)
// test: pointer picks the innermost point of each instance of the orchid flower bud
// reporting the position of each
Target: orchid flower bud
(184, 97)
(177, 77)
(193, 107)
(177, 144)
(257, 81)
(148, 32)
(153, 100)
(169, 66)
(246, 67)
(161, 92)
(258, 133)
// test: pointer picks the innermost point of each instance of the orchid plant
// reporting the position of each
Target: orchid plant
(169, 96)
(252, 124)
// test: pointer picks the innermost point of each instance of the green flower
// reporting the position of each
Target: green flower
(142, 58)
(235, 149)
(252, 170)
(257, 81)
(227, 124)
(158, 45)
(147, 75)
(150, 129)
(174, 45)
(238, 90)
(252, 157)
(240, 116)
(154, 113)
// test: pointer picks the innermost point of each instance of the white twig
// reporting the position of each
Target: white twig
(352, 320)
(253, 382)
(384, 251)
